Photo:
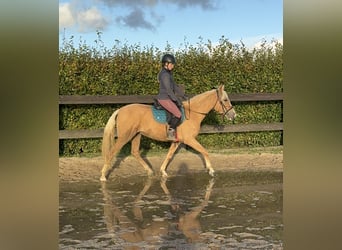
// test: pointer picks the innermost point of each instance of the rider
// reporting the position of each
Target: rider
(170, 94)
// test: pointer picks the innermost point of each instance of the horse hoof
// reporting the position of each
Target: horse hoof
(164, 174)
(212, 172)
(103, 178)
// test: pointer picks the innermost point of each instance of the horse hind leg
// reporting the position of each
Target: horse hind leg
(108, 158)
(107, 166)
(169, 156)
(135, 145)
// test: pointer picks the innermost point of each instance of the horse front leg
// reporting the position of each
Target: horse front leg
(199, 148)
(169, 155)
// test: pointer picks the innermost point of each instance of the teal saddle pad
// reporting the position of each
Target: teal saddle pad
(160, 114)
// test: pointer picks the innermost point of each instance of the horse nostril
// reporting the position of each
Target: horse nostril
(232, 118)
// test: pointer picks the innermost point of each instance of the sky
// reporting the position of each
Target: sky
(177, 22)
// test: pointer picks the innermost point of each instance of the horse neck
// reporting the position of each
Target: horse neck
(204, 102)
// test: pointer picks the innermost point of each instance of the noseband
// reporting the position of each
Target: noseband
(225, 109)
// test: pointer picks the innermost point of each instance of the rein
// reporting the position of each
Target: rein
(224, 108)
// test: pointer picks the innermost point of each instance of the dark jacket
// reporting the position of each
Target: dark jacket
(168, 89)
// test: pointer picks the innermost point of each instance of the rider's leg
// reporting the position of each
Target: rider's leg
(174, 121)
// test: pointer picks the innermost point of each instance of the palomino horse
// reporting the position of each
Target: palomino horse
(132, 121)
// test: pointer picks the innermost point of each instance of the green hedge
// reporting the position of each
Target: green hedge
(132, 70)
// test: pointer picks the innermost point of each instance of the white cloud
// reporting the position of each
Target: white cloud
(270, 43)
(74, 16)
(91, 19)
(257, 41)
(66, 18)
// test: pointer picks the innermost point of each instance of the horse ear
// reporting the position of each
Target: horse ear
(221, 89)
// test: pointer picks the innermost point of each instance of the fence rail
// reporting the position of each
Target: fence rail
(126, 99)
(148, 99)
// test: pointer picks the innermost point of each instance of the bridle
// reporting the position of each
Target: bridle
(224, 108)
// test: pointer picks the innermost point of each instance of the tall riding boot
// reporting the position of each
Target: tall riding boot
(175, 121)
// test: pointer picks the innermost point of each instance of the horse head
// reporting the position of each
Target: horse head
(223, 105)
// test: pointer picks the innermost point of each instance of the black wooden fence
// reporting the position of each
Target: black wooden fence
(148, 99)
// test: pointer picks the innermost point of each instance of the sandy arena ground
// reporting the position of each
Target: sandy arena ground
(89, 169)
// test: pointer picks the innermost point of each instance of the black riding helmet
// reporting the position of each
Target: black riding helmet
(168, 58)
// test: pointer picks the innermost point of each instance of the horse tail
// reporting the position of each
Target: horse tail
(109, 135)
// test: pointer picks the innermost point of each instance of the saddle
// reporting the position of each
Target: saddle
(161, 115)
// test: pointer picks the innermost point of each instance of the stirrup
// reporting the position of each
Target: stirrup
(171, 134)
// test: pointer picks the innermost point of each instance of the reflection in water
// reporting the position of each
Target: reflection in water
(238, 211)
(177, 223)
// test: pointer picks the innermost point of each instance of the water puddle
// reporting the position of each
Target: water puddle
(235, 210)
